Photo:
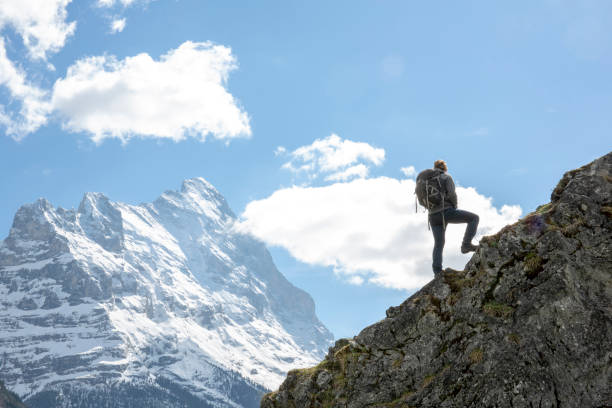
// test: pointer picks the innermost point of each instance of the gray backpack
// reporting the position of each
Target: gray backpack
(430, 190)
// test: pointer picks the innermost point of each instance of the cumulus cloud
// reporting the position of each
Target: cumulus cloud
(43, 28)
(117, 25)
(40, 23)
(334, 157)
(409, 171)
(367, 229)
(182, 94)
(32, 102)
(357, 171)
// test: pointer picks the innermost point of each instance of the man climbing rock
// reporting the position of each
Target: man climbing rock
(435, 191)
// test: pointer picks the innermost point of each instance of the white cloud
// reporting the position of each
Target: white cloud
(43, 28)
(182, 94)
(357, 171)
(117, 25)
(335, 157)
(409, 171)
(280, 150)
(367, 229)
(355, 280)
(34, 105)
(40, 23)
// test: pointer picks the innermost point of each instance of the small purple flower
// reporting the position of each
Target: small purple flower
(536, 224)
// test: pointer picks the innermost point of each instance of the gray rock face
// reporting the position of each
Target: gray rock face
(527, 323)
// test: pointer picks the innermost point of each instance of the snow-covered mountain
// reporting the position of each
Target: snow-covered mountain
(160, 304)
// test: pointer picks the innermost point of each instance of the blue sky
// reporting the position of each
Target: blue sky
(511, 95)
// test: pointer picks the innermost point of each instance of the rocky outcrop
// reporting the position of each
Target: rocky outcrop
(9, 399)
(527, 323)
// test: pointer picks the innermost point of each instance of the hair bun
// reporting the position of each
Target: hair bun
(440, 164)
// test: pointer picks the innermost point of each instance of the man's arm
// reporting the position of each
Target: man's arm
(451, 195)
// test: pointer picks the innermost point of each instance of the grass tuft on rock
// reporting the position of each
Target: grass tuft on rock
(544, 208)
(476, 356)
(533, 265)
(495, 309)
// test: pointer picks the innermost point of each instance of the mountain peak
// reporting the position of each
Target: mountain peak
(43, 204)
(199, 196)
(34, 221)
(526, 323)
(91, 201)
(199, 184)
(40, 206)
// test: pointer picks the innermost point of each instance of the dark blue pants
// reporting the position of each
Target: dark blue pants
(451, 216)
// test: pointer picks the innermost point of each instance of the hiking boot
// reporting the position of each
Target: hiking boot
(469, 247)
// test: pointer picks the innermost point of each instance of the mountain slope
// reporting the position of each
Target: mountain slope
(8, 399)
(528, 323)
(159, 304)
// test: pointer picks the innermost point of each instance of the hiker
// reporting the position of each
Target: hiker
(435, 191)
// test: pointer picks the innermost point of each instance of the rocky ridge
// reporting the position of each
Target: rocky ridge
(527, 323)
(9, 399)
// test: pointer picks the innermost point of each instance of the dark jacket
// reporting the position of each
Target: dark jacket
(450, 198)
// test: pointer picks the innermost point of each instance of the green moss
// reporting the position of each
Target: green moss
(433, 306)
(607, 210)
(397, 362)
(514, 338)
(490, 241)
(326, 399)
(544, 208)
(342, 351)
(457, 281)
(533, 265)
(310, 371)
(572, 229)
(444, 348)
(398, 402)
(496, 309)
(476, 356)
(435, 301)
(271, 396)
(458, 284)
(340, 381)
(427, 380)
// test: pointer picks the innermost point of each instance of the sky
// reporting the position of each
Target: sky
(311, 118)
